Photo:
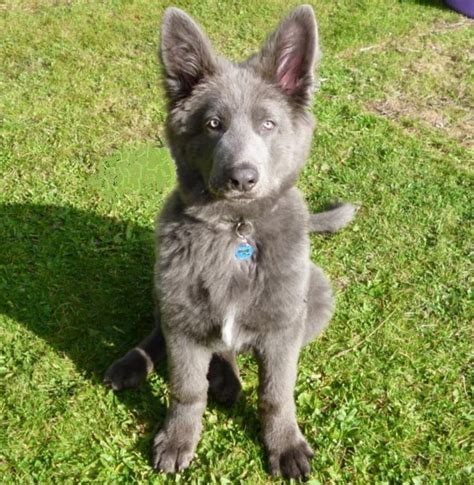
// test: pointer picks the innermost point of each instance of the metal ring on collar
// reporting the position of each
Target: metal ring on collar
(244, 229)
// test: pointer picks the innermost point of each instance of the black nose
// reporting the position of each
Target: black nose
(243, 177)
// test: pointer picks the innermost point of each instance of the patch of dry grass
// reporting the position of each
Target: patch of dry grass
(433, 82)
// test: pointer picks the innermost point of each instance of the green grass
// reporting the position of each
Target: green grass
(386, 394)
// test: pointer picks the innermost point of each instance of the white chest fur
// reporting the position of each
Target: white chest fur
(228, 327)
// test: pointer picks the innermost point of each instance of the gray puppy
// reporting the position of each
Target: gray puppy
(232, 270)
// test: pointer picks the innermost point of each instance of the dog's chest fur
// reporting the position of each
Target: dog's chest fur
(206, 291)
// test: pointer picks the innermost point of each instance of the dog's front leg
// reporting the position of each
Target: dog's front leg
(288, 452)
(174, 445)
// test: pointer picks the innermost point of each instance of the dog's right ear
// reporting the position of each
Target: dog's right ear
(186, 54)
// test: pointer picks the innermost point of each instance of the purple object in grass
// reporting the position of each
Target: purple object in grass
(462, 6)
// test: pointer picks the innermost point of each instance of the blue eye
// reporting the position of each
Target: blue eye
(214, 124)
(268, 125)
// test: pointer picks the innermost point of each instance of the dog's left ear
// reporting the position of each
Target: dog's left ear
(290, 53)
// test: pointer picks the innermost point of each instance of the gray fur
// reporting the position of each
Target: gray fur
(240, 167)
(333, 219)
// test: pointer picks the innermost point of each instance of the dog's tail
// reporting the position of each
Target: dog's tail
(333, 219)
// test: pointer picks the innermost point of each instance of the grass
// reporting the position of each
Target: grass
(386, 394)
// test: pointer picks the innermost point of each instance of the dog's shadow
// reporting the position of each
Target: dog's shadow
(83, 283)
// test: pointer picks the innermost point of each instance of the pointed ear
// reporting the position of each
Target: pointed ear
(290, 53)
(186, 53)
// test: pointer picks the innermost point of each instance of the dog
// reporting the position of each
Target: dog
(233, 271)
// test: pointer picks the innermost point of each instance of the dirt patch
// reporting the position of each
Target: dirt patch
(33, 6)
(433, 83)
(404, 109)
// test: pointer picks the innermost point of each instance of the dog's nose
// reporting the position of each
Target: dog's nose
(243, 177)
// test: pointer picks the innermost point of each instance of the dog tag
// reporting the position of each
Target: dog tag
(244, 251)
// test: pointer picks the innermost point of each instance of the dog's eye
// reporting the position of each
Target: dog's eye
(268, 125)
(214, 124)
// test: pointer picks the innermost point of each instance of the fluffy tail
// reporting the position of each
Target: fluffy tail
(333, 219)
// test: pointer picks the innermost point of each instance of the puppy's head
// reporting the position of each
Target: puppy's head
(239, 132)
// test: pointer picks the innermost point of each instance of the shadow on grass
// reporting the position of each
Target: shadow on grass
(431, 3)
(80, 281)
(83, 283)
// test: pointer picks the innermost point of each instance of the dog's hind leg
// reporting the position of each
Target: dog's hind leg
(320, 303)
(136, 364)
(333, 219)
(223, 377)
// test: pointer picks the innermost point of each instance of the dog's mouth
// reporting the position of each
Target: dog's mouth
(231, 195)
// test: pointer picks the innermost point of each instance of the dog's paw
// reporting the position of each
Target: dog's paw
(224, 384)
(128, 371)
(171, 454)
(292, 462)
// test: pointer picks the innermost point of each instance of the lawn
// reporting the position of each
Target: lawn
(386, 394)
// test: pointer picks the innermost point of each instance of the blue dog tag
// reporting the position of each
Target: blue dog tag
(244, 251)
